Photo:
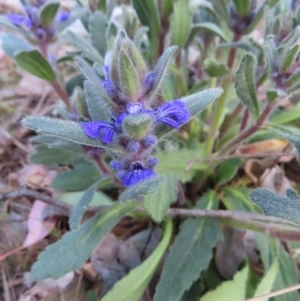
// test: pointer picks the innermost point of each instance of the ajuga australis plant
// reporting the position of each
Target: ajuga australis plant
(168, 111)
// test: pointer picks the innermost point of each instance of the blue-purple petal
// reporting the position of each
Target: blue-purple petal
(19, 20)
(93, 130)
(174, 113)
(136, 176)
(63, 17)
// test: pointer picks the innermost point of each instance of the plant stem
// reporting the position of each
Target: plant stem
(219, 106)
(61, 93)
(247, 133)
(244, 120)
(56, 85)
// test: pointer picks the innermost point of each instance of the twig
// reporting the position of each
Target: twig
(236, 216)
(226, 214)
(276, 293)
(43, 197)
(238, 156)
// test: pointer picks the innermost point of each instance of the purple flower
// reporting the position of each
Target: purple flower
(149, 140)
(110, 88)
(116, 165)
(149, 81)
(174, 113)
(137, 174)
(152, 162)
(19, 20)
(134, 147)
(63, 17)
(93, 130)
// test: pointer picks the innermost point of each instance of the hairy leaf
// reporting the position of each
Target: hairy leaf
(244, 83)
(195, 103)
(98, 26)
(221, 8)
(64, 129)
(271, 54)
(215, 69)
(132, 286)
(148, 14)
(242, 6)
(75, 247)
(33, 62)
(180, 23)
(184, 263)
(275, 205)
(84, 46)
(158, 202)
(11, 45)
(97, 106)
(161, 69)
(273, 94)
(214, 28)
(292, 137)
(142, 188)
(96, 85)
(48, 12)
(289, 58)
(78, 210)
(82, 175)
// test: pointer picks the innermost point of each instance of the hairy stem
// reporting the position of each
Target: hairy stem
(247, 133)
(61, 93)
(219, 106)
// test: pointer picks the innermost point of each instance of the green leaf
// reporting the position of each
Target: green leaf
(244, 83)
(158, 202)
(11, 45)
(129, 77)
(176, 162)
(53, 142)
(75, 247)
(137, 126)
(259, 15)
(78, 210)
(228, 170)
(132, 286)
(82, 175)
(275, 205)
(267, 282)
(184, 263)
(214, 28)
(147, 12)
(33, 62)
(48, 12)
(64, 129)
(292, 137)
(161, 69)
(142, 188)
(84, 46)
(273, 94)
(233, 290)
(97, 107)
(237, 198)
(289, 58)
(215, 69)
(98, 26)
(195, 103)
(180, 23)
(287, 115)
(95, 87)
(50, 158)
(102, 5)
(99, 199)
(271, 54)
(221, 8)
(242, 6)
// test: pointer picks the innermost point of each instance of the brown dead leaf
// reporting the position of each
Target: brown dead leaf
(275, 180)
(270, 146)
(34, 176)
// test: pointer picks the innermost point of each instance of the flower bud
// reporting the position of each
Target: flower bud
(137, 126)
